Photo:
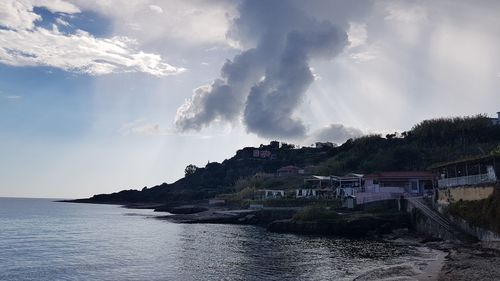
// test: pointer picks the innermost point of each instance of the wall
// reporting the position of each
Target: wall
(469, 193)
(433, 224)
(425, 225)
(481, 233)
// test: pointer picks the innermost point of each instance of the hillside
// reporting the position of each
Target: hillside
(431, 141)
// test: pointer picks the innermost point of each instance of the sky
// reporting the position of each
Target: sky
(97, 96)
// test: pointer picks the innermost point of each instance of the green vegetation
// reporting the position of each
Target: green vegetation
(312, 213)
(285, 183)
(431, 141)
(427, 143)
(483, 213)
(496, 151)
(190, 169)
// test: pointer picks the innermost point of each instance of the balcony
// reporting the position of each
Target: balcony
(467, 180)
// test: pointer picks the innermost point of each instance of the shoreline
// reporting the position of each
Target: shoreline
(451, 262)
(433, 270)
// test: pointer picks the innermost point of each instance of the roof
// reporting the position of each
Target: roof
(286, 168)
(402, 174)
(464, 160)
(321, 177)
(354, 175)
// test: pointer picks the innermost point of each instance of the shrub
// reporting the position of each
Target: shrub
(311, 213)
(482, 213)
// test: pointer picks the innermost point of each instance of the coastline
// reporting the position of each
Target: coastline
(444, 261)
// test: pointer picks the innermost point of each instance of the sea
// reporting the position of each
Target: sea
(45, 240)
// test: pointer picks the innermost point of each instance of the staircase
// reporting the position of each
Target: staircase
(444, 225)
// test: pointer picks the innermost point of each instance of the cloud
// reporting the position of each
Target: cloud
(265, 83)
(156, 9)
(62, 22)
(140, 127)
(398, 11)
(56, 6)
(12, 97)
(17, 15)
(336, 133)
(357, 34)
(25, 44)
(364, 56)
(183, 23)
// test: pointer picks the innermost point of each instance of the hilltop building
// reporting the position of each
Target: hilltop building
(289, 171)
(496, 121)
(258, 153)
(328, 144)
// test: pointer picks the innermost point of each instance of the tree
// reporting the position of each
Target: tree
(190, 169)
(496, 151)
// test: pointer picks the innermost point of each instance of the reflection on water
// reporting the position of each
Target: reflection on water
(42, 240)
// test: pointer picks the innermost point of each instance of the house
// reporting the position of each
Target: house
(496, 121)
(257, 153)
(468, 179)
(316, 187)
(347, 185)
(328, 144)
(289, 171)
(274, 145)
(468, 171)
(274, 194)
(408, 183)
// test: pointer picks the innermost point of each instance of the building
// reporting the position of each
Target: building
(410, 183)
(328, 144)
(274, 194)
(288, 171)
(258, 153)
(274, 145)
(469, 171)
(348, 185)
(496, 121)
(468, 179)
(316, 187)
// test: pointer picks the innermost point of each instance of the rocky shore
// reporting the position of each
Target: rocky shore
(468, 262)
(354, 225)
(245, 216)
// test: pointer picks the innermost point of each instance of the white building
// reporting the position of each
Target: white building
(496, 121)
(274, 193)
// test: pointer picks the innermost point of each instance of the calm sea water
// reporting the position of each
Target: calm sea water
(44, 240)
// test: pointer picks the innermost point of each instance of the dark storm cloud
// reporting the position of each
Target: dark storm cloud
(271, 103)
(266, 83)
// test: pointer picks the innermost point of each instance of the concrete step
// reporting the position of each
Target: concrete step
(441, 220)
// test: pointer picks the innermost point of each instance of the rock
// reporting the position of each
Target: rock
(348, 226)
(187, 209)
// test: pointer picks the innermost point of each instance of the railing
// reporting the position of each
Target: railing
(366, 197)
(466, 180)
